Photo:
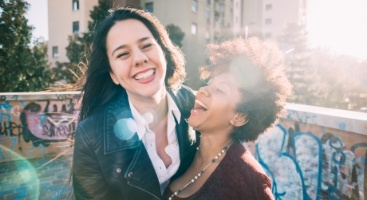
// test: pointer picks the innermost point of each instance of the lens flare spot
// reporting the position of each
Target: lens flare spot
(25, 174)
(149, 117)
(125, 128)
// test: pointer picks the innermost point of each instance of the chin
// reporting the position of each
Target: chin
(192, 123)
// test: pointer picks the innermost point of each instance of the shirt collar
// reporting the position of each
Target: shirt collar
(172, 107)
(142, 120)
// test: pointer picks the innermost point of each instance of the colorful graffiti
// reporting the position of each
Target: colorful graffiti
(312, 165)
(307, 155)
(33, 123)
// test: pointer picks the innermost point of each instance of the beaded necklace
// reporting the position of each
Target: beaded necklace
(196, 177)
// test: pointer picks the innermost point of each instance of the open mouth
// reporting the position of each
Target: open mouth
(200, 105)
(144, 75)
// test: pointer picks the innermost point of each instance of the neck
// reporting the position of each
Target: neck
(211, 145)
(155, 102)
(154, 108)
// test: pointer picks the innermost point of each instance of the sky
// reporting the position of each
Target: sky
(37, 17)
(337, 25)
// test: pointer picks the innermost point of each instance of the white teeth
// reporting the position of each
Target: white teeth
(144, 75)
(200, 103)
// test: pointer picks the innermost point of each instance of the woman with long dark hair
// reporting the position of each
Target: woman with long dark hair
(132, 137)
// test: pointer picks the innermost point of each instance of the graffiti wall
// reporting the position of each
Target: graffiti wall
(316, 155)
(312, 153)
(35, 125)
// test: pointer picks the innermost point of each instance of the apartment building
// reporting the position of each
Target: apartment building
(269, 18)
(202, 21)
(68, 17)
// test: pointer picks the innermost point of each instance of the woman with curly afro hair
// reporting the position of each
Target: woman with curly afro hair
(245, 95)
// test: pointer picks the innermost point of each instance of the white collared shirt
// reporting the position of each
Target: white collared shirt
(148, 138)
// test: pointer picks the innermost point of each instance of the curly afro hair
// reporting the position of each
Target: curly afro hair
(258, 66)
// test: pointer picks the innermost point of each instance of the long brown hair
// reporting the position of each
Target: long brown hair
(98, 87)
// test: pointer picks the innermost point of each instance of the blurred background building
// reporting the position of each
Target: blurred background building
(202, 21)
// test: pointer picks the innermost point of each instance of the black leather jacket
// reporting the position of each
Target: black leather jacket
(112, 164)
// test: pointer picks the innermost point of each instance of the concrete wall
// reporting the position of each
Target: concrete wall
(312, 153)
(315, 153)
(35, 144)
(35, 125)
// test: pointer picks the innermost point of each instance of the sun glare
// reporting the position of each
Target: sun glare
(339, 26)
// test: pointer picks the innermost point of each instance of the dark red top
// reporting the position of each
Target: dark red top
(238, 176)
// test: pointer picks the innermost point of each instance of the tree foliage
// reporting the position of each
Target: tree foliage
(22, 67)
(320, 78)
(99, 12)
(342, 80)
(175, 34)
(300, 72)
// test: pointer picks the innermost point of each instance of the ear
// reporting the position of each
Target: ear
(239, 120)
(113, 77)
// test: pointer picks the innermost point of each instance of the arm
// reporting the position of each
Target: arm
(254, 181)
(88, 182)
(265, 191)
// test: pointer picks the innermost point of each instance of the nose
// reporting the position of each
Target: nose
(139, 58)
(203, 91)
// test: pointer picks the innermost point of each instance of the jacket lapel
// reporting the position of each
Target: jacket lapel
(120, 128)
(120, 134)
(186, 136)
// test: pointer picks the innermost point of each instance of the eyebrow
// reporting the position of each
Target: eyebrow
(220, 83)
(124, 45)
(225, 84)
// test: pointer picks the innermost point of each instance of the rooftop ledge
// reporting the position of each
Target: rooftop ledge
(344, 120)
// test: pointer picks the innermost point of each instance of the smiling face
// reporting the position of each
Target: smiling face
(215, 105)
(136, 59)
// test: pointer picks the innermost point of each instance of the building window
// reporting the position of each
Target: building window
(149, 7)
(55, 51)
(193, 28)
(76, 27)
(267, 35)
(207, 36)
(268, 7)
(207, 13)
(75, 5)
(194, 5)
(268, 21)
(208, 2)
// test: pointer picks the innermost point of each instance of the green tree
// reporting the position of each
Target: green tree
(22, 68)
(76, 52)
(342, 80)
(300, 72)
(175, 34)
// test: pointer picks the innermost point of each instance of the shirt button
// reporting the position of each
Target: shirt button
(129, 174)
(118, 170)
